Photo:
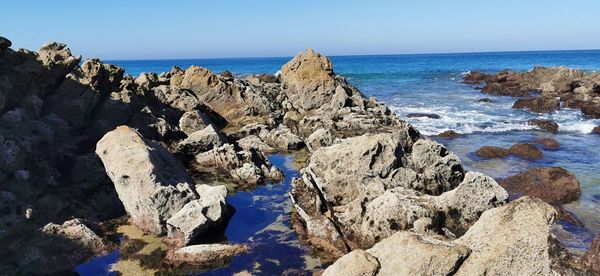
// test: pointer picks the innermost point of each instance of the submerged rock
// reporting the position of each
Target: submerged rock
(545, 125)
(449, 134)
(204, 255)
(527, 151)
(492, 152)
(554, 185)
(423, 115)
(549, 143)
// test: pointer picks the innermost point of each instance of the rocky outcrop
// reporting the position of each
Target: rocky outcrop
(554, 185)
(366, 188)
(555, 85)
(513, 239)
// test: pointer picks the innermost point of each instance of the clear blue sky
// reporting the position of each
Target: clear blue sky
(129, 29)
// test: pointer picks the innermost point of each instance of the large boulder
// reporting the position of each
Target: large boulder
(554, 185)
(201, 141)
(403, 253)
(309, 80)
(510, 240)
(151, 183)
(366, 188)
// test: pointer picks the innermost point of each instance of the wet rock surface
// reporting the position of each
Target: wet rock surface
(552, 86)
(545, 125)
(521, 150)
(554, 185)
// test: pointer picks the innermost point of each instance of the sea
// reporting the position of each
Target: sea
(419, 83)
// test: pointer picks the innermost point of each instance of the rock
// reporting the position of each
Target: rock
(4, 43)
(527, 151)
(201, 141)
(309, 80)
(372, 188)
(549, 143)
(546, 125)
(423, 115)
(475, 77)
(449, 134)
(151, 183)
(245, 167)
(205, 255)
(253, 142)
(357, 262)
(554, 185)
(485, 100)
(492, 152)
(538, 104)
(226, 74)
(596, 130)
(282, 138)
(591, 259)
(77, 232)
(319, 138)
(192, 121)
(175, 97)
(403, 253)
(198, 216)
(147, 80)
(510, 240)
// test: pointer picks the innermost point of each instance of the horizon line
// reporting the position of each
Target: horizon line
(359, 55)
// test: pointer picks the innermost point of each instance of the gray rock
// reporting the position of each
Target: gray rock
(192, 121)
(198, 216)
(151, 183)
(201, 141)
(319, 138)
(205, 255)
(357, 262)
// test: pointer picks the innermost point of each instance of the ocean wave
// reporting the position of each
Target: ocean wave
(498, 118)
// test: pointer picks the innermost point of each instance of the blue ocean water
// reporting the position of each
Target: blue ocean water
(422, 84)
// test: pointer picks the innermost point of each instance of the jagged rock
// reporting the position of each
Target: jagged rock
(80, 93)
(554, 185)
(205, 255)
(244, 167)
(368, 187)
(319, 138)
(147, 80)
(198, 216)
(546, 125)
(282, 138)
(4, 43)
(254, 142)
(175, 97)
(151, 183)
(510, 240)
(591, 259)
(77, 232)
(192, 121)
(201, 141)
(309, 80)
(357, 262)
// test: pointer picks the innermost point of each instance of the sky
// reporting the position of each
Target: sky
(131, 29)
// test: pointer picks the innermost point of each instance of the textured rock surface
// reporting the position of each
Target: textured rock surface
(204, 255)
(151, 183)
(591, 260)
(546, 125)
(554, 185)
(369, 188)
(492, 152)
(510, 240)
(574, 88)
(357, 262)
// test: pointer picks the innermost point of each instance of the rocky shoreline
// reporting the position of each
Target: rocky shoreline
(84, 140)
